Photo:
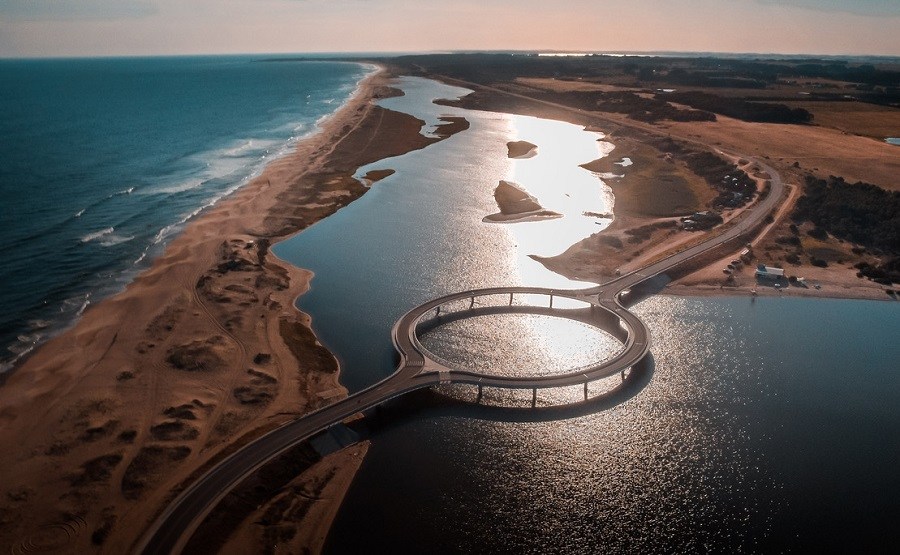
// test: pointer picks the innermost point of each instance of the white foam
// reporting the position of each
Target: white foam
(180, 187)
(113, 239)
(127, 191)
(97, 235)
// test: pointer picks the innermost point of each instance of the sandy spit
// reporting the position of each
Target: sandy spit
(200, 353)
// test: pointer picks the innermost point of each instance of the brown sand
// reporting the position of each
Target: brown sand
(205, 350)
(199, 354)
(298, 519)
(793, 150)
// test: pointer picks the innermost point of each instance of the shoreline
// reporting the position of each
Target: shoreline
(110, 419)
(596, 257)
(215, 351)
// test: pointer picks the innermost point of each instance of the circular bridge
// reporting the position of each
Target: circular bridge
(588, 306)
(418, 369)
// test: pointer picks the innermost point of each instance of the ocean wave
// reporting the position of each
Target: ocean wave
(123, 192)
(143, 255)
(97, 235)
(246, 148)
(181, 187)
(112, 239)
(38, 324)
(77, 304)
(220, 164)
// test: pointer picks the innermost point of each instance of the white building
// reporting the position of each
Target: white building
(768, 272)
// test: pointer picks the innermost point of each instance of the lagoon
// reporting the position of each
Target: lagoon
(763, 424)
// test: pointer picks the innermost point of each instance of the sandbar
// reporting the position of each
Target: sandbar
(521, 149)
(516, 205)
(198, 355)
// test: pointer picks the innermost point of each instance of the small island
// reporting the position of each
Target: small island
(521, 149)
(516, 205)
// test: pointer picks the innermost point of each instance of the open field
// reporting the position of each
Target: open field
(583, 90)
(857, 118)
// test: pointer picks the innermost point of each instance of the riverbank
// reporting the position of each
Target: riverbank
(653, 187)
(109, 418)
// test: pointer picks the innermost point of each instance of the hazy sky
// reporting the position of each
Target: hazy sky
(112, 27)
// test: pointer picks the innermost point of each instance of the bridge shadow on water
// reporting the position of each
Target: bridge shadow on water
(430, 403)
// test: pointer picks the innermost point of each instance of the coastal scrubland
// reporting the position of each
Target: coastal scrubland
(205, 351)
(689, 120)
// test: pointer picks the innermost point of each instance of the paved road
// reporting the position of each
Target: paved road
(417, 370)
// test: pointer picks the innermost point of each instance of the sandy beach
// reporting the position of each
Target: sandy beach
(205, 350)
(199, 354)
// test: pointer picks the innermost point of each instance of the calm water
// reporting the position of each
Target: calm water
(762, 426)
(554, 345)
(103, 160)
(419, 233)
(765, 427)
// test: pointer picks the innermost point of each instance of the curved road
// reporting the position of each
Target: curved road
(417, 370)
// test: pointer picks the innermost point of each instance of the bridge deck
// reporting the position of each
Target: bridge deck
(172, 529)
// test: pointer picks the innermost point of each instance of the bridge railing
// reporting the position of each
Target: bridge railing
(569, 299)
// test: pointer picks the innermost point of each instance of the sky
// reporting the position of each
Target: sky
(161, 27)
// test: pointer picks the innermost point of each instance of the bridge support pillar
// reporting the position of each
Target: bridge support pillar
(534, 397)
(585, 391)
(510, 299)
(472, 304)
(551, 301)
(478, 400)
(438, 310)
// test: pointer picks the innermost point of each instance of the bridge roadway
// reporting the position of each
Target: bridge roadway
(172, 529)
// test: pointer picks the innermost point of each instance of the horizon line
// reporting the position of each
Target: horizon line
(395, 54)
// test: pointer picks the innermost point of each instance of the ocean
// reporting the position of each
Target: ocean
(105, 160)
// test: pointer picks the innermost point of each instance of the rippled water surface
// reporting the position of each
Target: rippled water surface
(494, 344)
(760, 426)
(419, 233)
(763, 427)
(105, 160)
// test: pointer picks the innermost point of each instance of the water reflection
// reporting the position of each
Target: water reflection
(763, 427)
(553, 176)
(520, 344)
(556, 179)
